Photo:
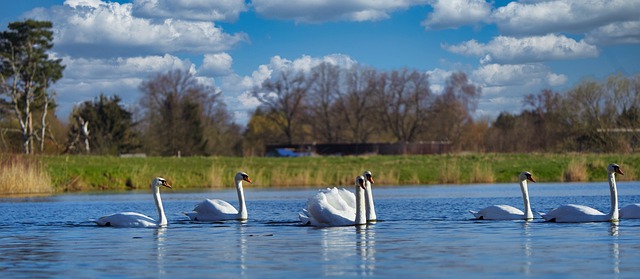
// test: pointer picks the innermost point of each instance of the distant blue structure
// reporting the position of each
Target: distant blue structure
(285, 152)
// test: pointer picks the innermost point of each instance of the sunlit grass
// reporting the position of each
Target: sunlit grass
(576, 171)
(74, 173)
(23, 175)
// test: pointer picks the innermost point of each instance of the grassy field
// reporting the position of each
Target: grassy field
(82, 173)
(71, 173)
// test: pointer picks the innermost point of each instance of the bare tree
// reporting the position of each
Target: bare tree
(26, 73)
(179, 113)
(403, 99)
(452, 110)
(283, 99)
(356, 105)
(322, 96)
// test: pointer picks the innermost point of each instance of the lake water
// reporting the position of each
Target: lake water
(426, 232)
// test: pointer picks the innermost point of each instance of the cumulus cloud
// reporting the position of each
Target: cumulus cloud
(203, 10)
(526, 75)
(504, 86)
(103, 29)
(542, 17)
(85, 78)
(330, 10)
(306, 63)
(218, 64)
(504, 49)
(615, 33)
(456, 13)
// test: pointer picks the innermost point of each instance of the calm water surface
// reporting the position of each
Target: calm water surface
(426, 232)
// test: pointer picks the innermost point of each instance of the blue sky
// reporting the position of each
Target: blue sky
(509, 48)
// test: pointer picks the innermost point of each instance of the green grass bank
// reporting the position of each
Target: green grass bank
(91, 173)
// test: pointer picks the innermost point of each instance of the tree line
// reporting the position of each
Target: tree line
(177, 115)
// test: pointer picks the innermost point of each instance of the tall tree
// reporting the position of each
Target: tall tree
(452, 109)
(183, 116)
(106, 125)
(283, 100)
(323, 96)
(403, 99)
(356, 105)
(26, 73)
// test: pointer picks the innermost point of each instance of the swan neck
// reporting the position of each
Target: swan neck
(162, 219)
(361, 216)
(370, 208)
(528, 214)
(614, 214)
(242, 212)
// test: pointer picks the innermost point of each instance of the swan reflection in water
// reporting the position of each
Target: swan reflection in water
(366, 242)
(354, 244)
(527, 247)
(615, 249)
(161, 249)
(242, 246)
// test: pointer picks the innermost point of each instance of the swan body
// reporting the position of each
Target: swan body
(631, 211)
(137, 220)
(371, 209)
(336, 207)
(572, 213)
(219, 210)
(507, 212)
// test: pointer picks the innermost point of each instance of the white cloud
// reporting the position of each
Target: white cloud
(203, 10)
(455, 13)
(104, 29)
(84, 79)
(504, 86)
(218, 64)
(542, 17)
(437, 79)
(526, 75)
(615, 33)
(87, 3)
(330, 10)
(305, 63)
(504, 49)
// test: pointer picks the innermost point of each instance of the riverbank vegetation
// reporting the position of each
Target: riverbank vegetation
(94, 173)
(23, 175)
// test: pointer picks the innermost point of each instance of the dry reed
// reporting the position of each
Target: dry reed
(482, 173)
(450, 173)
(23, 175)
(576, 171)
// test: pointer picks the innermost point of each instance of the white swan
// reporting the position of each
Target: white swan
(134, 219)
(507, 212)
(219, 210)
(333, 207)
(371, 209)
(631, 211)
(572, 213)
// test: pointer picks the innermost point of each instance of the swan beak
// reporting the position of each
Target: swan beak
(362, 185)
(618, 170)
(166, 184)
(247, 180)
(531, 179)
(370, 178)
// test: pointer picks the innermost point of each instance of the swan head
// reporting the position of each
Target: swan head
(159, 181)
(368, 176)
(242, 176)
(525, 175)
(360, 182)
(614, 168)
